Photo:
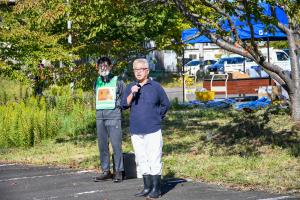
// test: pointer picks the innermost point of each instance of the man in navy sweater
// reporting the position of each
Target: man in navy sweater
(148, 105)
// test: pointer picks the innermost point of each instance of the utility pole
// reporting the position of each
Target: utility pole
(183, 73)
(182, 67)
(69, 27)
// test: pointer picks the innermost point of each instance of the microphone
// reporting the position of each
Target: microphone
(134, 94)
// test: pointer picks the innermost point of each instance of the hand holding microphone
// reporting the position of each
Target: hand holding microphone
(135, 89)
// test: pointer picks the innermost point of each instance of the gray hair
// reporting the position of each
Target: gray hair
(141, 60)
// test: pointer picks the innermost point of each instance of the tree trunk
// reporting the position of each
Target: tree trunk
(295, 106)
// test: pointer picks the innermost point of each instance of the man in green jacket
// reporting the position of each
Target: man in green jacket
(109, 90)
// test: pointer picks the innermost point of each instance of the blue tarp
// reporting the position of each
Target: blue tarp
(227, 103)
(218, 103)
(254, 105)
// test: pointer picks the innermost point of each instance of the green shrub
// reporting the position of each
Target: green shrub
(32, 120)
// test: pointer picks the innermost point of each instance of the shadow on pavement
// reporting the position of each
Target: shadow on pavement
(169, 183)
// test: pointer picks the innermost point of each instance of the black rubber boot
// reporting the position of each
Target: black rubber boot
(155, 192)
(147, 186)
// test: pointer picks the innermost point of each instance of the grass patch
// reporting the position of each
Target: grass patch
(247, 151)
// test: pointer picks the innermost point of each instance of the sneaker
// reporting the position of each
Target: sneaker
(104, 176)
(118, 177)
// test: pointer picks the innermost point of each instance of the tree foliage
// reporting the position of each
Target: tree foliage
(32, 31)
(35, 30)
(121, 27)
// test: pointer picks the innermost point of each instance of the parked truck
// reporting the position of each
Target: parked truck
(276, 56)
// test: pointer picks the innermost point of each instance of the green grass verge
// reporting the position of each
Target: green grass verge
(247, 151)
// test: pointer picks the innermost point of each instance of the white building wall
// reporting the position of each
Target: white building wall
(170, 60)
(194, 51)
(203, 51)
(211, 51)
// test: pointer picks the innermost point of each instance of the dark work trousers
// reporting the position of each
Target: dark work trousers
(110, 128)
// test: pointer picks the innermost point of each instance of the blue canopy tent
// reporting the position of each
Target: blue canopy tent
(261, 30)
(279, 12)
(189, 36)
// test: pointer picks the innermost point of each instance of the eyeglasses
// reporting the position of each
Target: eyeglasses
(140, 69)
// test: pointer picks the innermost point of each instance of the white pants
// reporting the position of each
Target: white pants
(148, 152)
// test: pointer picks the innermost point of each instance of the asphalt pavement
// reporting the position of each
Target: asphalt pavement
(29, 182)
(177, 92)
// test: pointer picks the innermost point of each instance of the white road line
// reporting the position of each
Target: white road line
(85, 171)
(3, 165)
(47, 175)
(45, 198)
(71, 195)
(87, 192)
(276, 198)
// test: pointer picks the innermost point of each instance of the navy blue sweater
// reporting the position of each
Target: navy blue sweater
(148, 107)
